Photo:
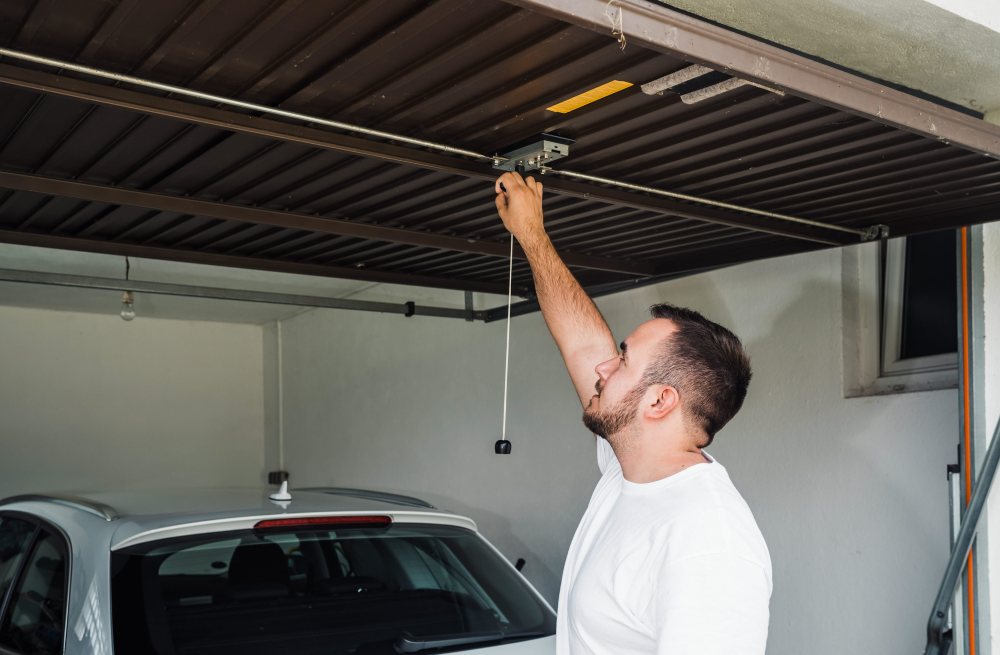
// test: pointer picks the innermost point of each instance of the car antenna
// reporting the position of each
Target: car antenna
(282, 493)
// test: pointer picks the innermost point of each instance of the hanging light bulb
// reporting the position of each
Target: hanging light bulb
(128, 306)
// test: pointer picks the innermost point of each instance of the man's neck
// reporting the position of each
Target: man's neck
(641, 465)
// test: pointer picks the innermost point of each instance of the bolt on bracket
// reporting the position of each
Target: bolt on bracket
(534, 154)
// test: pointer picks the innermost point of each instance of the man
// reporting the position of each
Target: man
(667, 558)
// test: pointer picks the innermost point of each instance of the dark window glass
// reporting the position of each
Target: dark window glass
(929, 296)
(357, 590)
(34, 622)
(15, 537)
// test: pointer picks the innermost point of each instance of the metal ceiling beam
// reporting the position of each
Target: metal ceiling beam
(678, 209)
(241, 295)
(291, 220)
(673, 268)
(235, 261)
(655, 26)
(190, 112)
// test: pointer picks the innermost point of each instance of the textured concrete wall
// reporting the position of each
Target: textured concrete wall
(908, 42)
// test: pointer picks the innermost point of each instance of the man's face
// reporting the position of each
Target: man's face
(610, 422)
(620, 388)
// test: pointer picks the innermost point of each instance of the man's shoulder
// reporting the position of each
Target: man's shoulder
(705, 513)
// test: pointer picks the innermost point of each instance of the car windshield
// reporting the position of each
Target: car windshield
(399, 588)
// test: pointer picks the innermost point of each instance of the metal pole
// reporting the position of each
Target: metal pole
(161, 288)
(231, 102)
(938, 643)
(866, 234)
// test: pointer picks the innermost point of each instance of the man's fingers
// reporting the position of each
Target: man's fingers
(508, 181)
(503, 183)
(535, 186)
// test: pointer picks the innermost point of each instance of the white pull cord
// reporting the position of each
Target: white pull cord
(506, 363)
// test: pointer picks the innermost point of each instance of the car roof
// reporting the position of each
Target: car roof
(136, 516)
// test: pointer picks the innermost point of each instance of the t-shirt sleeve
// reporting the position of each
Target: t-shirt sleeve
(711, 604)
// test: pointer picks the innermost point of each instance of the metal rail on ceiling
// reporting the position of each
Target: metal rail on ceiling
(678, 266)
(689, 206)
(244, 295)
(240, 261)
(291, 220)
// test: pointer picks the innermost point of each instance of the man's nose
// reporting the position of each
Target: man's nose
(606, 368)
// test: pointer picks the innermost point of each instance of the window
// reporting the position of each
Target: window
(331, 592)
(34, 620)
(920, 333)
(15, 537)
(900, 315)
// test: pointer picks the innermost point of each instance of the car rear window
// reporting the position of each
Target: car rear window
(399, 588)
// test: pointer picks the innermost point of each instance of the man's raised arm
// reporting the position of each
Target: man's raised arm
(577, 326)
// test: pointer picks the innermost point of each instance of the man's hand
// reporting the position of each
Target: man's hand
(519, 203)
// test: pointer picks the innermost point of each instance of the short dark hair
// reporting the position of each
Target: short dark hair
(707, 365)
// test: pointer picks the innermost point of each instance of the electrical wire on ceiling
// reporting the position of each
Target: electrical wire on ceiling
(864, 234)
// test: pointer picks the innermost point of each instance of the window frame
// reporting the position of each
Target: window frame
(930, 367)
(868, 368)
(18, 572)
(42, 527)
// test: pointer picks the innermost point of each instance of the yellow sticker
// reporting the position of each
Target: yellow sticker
(588, 97)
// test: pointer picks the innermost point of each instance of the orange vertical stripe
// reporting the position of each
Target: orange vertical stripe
(967, 436)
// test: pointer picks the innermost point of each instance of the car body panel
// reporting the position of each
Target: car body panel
(542, 646)
(131, 533)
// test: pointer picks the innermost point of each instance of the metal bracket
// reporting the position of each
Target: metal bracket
(875, 232)
(470, 307)
(542, 151)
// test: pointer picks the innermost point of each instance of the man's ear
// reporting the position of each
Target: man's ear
(665, 401)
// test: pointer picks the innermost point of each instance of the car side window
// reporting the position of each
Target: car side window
(15, 537)
(34, 622)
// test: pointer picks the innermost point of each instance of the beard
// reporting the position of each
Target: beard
(612, 423)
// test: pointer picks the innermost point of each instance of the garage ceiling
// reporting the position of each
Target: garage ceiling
(88, 164)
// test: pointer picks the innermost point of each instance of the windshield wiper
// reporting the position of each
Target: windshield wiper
(407, 643)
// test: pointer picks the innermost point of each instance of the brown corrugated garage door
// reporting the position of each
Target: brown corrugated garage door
(92, 164)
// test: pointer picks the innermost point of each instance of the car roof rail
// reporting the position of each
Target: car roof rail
(368, 494)
(77, 502)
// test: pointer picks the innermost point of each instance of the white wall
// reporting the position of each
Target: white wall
(88, 401)
(850, 494)
(984, 12)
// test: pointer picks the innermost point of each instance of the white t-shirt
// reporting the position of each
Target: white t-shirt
(672, 567)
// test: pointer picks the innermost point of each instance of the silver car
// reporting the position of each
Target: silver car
(331, 571)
